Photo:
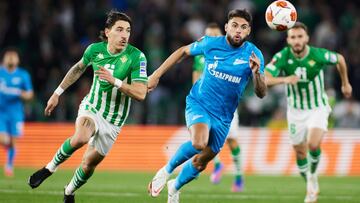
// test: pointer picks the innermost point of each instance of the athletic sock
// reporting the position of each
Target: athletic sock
(314, 159)
(303, 166)
(185, 152)
(10, 157)
(235, 153)
(63, 153)
(77, 180)
(187, 174)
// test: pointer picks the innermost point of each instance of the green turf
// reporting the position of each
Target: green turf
(117, 187)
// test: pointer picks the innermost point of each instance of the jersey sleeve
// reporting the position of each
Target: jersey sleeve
(87, 57)
(138, 70)
(327, 57)
(198, 47)
(27, 85)
(274, 67)
(199, 63)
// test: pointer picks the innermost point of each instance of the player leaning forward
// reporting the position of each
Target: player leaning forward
(230, 63)
(120, 74)
(308, 107)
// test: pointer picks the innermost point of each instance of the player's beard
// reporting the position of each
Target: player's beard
(299, 51)
(232, 41)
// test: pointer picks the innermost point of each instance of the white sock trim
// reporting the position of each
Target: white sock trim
(51, 167)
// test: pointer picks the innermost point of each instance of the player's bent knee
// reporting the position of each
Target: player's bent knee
(78, 141)
(313, 147)
(199, 145)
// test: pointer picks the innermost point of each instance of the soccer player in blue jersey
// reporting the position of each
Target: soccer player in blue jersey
(213, 29)
(15, 88)
(230, 63)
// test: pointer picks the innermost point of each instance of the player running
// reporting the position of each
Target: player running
(308, 107)
(119, 74)
(213, 29)
(15, 87)
(230, 63)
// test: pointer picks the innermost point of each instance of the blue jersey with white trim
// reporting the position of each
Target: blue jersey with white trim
(226, 74)
(11, 86)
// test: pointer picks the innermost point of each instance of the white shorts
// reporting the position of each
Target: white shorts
(299, 121)
(234, 127)
(105, 132)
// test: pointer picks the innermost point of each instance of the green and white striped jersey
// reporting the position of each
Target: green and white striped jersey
(199, 63)
(104, 98)
(309, 92)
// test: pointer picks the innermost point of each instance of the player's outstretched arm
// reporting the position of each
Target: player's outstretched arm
(71, 76)
(175, 57)
(345, 84)
(258, 79)
(135, 90)
(271, 80)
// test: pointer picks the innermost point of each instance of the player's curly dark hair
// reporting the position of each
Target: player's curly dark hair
(242, 13)
(112, 17)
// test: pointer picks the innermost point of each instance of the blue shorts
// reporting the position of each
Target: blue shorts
(194, 113)
(11, 126)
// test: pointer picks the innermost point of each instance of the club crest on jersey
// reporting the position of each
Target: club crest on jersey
(311, 63)
(123, 59)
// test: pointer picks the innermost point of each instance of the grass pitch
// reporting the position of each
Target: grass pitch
(128, 187)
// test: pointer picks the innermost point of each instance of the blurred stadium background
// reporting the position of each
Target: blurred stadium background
(52, 35)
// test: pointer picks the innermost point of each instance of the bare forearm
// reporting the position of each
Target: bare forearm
(72, 75)
(274, 80)
(135, 91)
(259, 85)
(342, 68)
(175, 57)
(27, 96)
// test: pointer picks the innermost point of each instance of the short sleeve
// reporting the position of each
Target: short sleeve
(27, 86)
(198, 47)
(138, 69)
(86, 59)
(327, 57)
(274, 67)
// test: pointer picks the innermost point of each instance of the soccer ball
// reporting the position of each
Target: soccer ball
(280, 15)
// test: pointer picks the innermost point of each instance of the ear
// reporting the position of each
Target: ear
(107, 30)
(226, 27)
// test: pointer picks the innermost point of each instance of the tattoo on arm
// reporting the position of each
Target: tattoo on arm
(259, 85)
(73, 75)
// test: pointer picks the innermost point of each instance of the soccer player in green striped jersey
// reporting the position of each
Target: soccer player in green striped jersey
(119, 75)
(308, 107)
(213, 29)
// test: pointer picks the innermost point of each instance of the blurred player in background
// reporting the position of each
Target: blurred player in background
(214, 30)
(119, 74)
(308, 107)
(15, 88)
(230, 63)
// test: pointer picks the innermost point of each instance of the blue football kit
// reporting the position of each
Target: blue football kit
(11, 105)
(215, 96)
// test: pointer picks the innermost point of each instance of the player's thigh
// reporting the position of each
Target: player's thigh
(105, 135)
(317, 126)
(84, 129)
(198, 122)
(91, 158)
(315, 137)
(199, 134)
(297, 126)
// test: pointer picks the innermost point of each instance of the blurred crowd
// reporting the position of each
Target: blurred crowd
(51, 36)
